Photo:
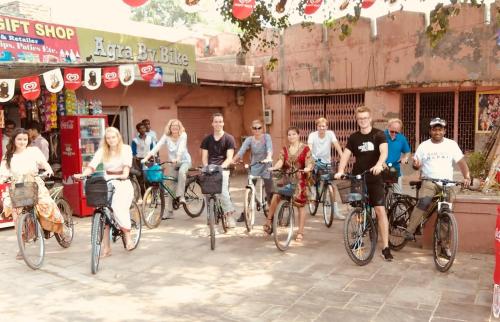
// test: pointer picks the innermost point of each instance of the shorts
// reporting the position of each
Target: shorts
(376, 191)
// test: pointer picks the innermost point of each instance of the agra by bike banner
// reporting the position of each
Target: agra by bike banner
(31, 41)
(177, 61)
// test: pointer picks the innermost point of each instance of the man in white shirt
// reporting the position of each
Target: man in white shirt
(141, 145)
(34, 130)
(435, 158)
(320, 143)
(7, 132)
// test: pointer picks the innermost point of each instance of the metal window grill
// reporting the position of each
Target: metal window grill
(408, 116)
(436, 105)
(466, 119)
(338, 109)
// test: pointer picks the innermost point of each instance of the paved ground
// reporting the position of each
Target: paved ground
(173, 276)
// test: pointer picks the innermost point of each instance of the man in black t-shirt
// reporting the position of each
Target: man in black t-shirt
(218, 149)
(369, 147)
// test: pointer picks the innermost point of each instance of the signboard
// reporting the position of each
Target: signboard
(177, 60)
(487, 111)
(34, 41)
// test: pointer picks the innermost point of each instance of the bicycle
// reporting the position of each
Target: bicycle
(210, 181)
(284, 215)
(99, 194)
(154, 196)
(360, 226)
(444, 247)
(29, 230)
(322, 191)
(255, 197)
(56, 193)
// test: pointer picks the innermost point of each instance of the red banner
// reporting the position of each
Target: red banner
(365, 4)
(243, 9)
(147, 71)
(38, 42)
(312, 6)
(30, 87)
(72, 78)
(110, 77)
(135, 3)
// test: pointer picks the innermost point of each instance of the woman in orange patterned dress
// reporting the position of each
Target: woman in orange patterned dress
(295, 156)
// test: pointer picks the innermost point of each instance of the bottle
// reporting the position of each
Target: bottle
(496, 301)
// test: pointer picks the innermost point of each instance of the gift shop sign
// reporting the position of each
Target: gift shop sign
(104, 46)
(35, 41)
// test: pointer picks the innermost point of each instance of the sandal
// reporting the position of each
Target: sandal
(129, 245)
(105, 254)
(267, 228)
(19, 256)
(300, 237)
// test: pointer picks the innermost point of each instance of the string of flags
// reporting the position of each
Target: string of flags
(71, 78)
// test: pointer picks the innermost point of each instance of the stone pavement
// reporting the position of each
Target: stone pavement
(174, 276)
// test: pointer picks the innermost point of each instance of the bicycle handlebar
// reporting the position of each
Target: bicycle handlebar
(445, 182)
(355, 176)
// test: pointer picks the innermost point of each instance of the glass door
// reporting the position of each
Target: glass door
(91, 134)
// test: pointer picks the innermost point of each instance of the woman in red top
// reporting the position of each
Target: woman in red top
(295, 156)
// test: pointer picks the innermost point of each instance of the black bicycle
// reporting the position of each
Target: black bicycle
(99, 193)
(153, 202)
(360, 226)
(322, 191)
(445, 238)
(210, 181)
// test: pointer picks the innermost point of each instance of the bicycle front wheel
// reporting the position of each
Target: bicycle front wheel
(445, 243)
(328, 209)
(399, 217)
(96, 235)
(312, 203)
(211, 221)
(195, 202)
(136, 224)
(360, 236)
(66, 237)
(153, 206)
(283, 225)
(249, 209)
(30, 239)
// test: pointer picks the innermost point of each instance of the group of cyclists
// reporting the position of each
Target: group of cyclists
(372, 148)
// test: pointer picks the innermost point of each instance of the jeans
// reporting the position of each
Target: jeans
(181, 180)
(225, 197)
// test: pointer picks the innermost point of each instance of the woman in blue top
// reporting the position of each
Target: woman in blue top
(261, 149)
(175, 139)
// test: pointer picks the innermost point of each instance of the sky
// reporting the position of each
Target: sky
(114, 15)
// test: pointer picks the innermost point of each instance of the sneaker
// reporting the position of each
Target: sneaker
(386, 254)
(445, 252)
(336, 211)
(182, 200)
(242, 217)
(231, 223)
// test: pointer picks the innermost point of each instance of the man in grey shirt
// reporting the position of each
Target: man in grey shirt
(37, 139)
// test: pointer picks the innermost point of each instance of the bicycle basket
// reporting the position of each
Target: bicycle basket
(287, 190)
(23, 194)
(154, 173)
(210, 182)
(346, 187)
(98, 192)
(390, 175)
(280, 180)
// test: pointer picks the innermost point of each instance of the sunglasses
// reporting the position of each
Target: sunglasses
(256, 127)
(394, 132)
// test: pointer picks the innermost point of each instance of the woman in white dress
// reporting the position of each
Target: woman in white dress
(116, 158)
(175, 139)
(21, 163)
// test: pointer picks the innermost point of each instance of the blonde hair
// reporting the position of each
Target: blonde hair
(395, 120)
(168, 132)
(363, 109)
(106, 150)
(321, 120)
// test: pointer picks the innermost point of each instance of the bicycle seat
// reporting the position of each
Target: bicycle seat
(417, 184)
(354, 197)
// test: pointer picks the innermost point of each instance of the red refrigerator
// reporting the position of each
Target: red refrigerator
(80, 139)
